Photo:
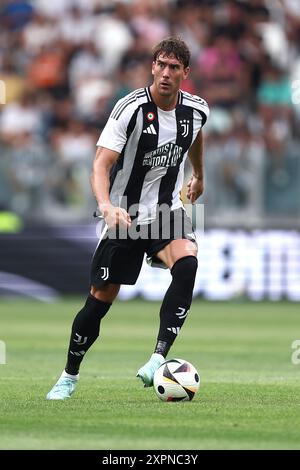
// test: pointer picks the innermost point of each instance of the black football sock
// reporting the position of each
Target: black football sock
(176, 303)
(85, 331)
(162, 347)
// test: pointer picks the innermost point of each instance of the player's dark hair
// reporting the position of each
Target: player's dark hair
(175, 46)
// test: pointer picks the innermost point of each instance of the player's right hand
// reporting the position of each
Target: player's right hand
(116, 217)
(195, 189)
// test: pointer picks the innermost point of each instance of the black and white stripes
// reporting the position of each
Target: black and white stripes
(153, 145)
(123, 103)
(197, 103)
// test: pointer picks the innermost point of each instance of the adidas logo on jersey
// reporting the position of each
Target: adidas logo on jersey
(150, 130)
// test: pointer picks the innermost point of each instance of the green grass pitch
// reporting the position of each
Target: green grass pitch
(249, 396)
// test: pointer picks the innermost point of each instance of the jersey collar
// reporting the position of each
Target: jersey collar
(148, 92)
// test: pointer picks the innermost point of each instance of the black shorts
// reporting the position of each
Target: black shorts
(119, 256)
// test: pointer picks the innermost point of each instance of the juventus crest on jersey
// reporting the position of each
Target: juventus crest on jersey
(153, 145)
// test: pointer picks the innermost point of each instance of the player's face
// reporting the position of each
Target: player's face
(168, 73)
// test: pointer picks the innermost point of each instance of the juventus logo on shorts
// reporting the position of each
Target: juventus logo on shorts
(185, 124)
(105, 273)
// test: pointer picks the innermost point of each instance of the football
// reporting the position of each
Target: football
(176, 380)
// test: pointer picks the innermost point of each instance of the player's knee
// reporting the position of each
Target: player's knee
(107, 293)
(97, 307)
(184, 270)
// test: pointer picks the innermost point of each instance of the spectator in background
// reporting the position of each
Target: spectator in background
(20, 117)
(149, 21)
(274, 96)
(14, 83)
(133, 74)
(74, 147)
(38, 33)
(17, 13)
(29, 165)
(113, 37)
(47, 71)
(281, 175)
(76, 27)
(220, 72)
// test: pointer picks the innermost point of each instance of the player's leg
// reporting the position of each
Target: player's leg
(180, 256)
(115, 262)
(85, 331)
(86, 324)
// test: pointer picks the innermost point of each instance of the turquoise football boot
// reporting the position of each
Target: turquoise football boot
(63, 389)
(146, 373)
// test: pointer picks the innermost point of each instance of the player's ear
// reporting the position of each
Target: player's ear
(153, 65)
(186, 72)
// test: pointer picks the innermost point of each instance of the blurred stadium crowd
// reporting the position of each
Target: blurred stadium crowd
(64, 63)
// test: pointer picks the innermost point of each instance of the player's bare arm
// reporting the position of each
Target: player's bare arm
(103, 162)
(196, 184)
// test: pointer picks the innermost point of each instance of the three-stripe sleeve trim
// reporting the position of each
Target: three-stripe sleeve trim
(123, 105)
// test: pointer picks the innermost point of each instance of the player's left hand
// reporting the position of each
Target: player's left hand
(195, 189)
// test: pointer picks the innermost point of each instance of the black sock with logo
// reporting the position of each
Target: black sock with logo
(176, 303)
(85, 331)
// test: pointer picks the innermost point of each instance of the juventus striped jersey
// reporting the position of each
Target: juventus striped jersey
(153, 145)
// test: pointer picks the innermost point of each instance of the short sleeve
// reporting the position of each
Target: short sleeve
(202, 108)
(114, 134)
(198, 104)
